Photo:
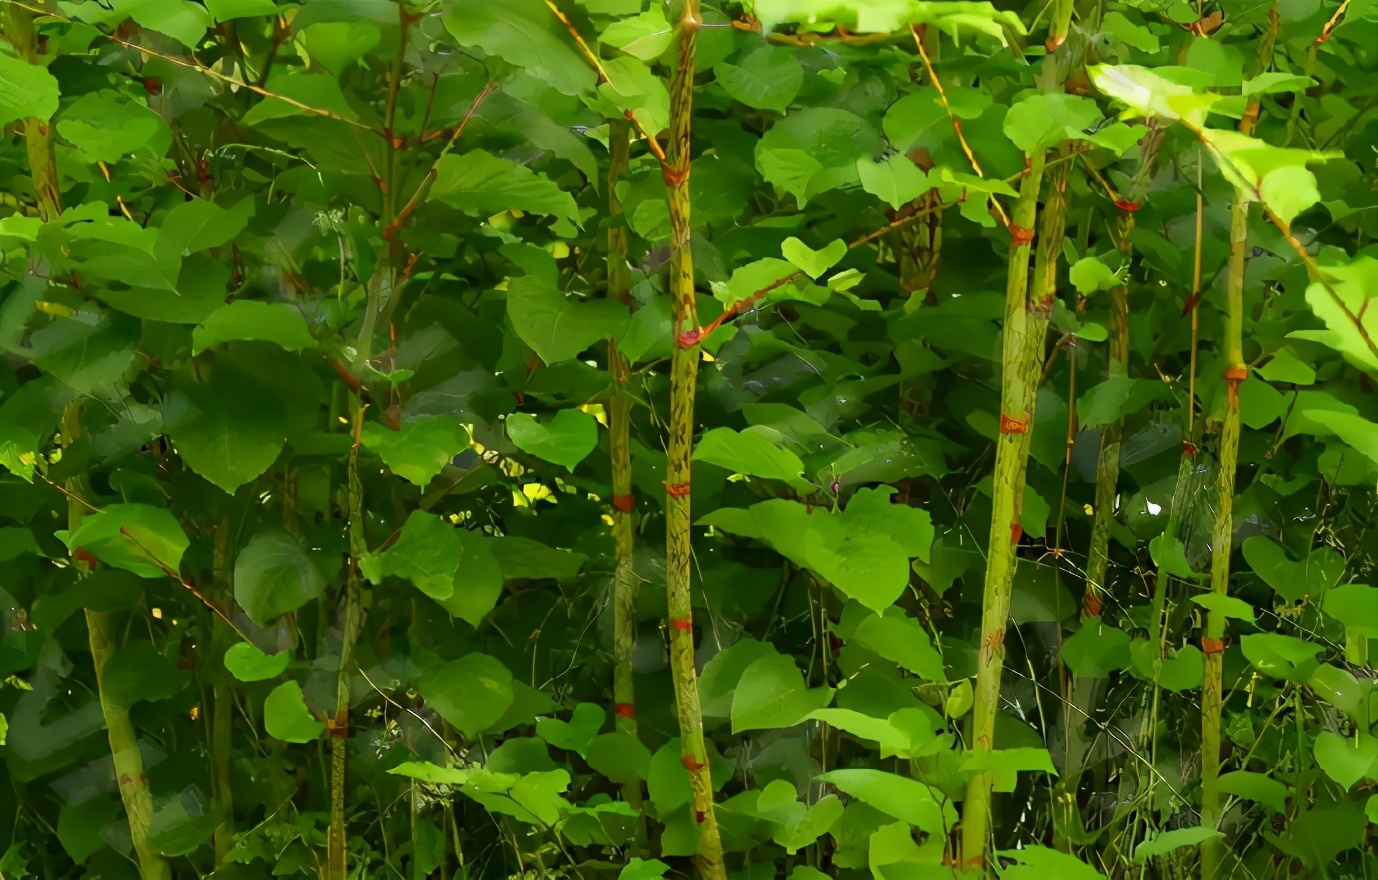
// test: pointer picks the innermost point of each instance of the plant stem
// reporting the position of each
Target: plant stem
(352, 609)
(222, 708)
(684, 366)
(1222, 537)
(625, 585)
(1015, 418)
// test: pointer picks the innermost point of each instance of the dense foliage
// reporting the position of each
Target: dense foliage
(790, 438)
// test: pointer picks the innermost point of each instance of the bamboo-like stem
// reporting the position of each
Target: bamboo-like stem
(684, 364)
(351, 607)
(1015, 418)
(625, 585)
(1222, 537)
(1108, 462)
(124, 740)
(100, 625)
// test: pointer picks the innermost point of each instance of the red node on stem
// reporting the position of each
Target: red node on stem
(624, 503)
(690, 763)
(1010, 425)
(690, 338)
(84, 556)
(1188, 449)
(1127, 206)
(674, 176)
(1020, 235)
(1091, 605)
(683, 624)
(1016, 532)
(1236, 374)
(698, 816)
(625, 710)
(1212, 646)
(677, 490)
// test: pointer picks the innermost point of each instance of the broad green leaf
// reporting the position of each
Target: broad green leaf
(139, 671)
(814, 150)
(1096, 650)
(428, 552)
(420, 449)
(286, 717)
(1342, 304)
(1004, 765)
(425, 771)
(1116, 397)
(301, 94)
(632, 87)
(1291, 580)
(522, 33)
(1226, 606)
(106, 129)
(1167, 92)
(813, 263)
(619, 757)
(886, 16)
(140, 538)
(720, 676)
(1165, 842)
(1280, 656)
(26, 91)
(226, 10)
(749, 452)
(1042, 863)
(767, 78)
(229, 430)
(575, 734)
(1344, 759)
(531, 560)
(1356, 607)
(768, 274)
(1090, 275)
(897, 181)
(1256, 787)
(1357, 432)
(643, 869)
(1046, 119)
(480, 183)
(280, 323)
(903, 642)
(471, 693)
(565, 439)
(906, 799)
(275, 574)
(478, 582)
(247, 663)
(558, 327)
(772, 694)
(645, 36)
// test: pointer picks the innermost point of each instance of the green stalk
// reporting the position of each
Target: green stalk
(1004, 524)
(625, 585)
(1222, 537)
(100, 625)
(124, 740)
(352, 607)
(684, 365)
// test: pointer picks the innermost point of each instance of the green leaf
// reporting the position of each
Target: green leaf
(1357, 432)
(1115, 397)
(274, 575)
(903, 642)
(643, 869)
(286, 717)
(522, 33)
(428, 552)
(227, 10)
(557, 327)
(1342, 305)
(814, 150)
(1226, 606)
(138, 671)
(619, 757)
(1256, 787)
(420, 449)
(767, 78)
(897, 181)
(471, 693)
(1279, 656)
(575, 734)
(566, 439)
(279, 323)
(301, 94)
(746, 281)
(721, 675)
(632, 87)
(1096, 650)
(1345, 760)
(811, 262)
(478, 582)
(1356, 607)
(1311, 576)
(1046, 119)
(480, 183)
(908, 800)
(1004, 765)
(772, 694)
(26, 91)
(645, 36)
(230, 430)
(146, 540)
(1042, 863)
(106, 129)
(749, 452)
(247, 663)
(1090, 275)
(1164, 842)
